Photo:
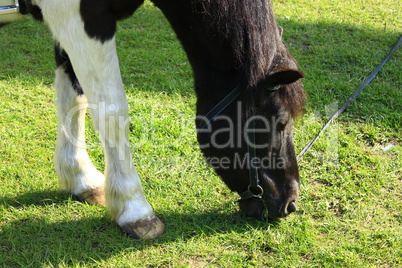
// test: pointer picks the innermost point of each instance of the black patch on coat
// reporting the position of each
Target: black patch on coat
(62, 59)
(100, 16)
(36, 12)
(25, 7)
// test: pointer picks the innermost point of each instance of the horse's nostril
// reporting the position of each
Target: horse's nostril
(292, 207)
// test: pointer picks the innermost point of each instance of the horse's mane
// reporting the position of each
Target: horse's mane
(251, 27)
(256, 41)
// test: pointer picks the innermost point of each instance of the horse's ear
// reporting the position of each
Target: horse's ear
(283, 76)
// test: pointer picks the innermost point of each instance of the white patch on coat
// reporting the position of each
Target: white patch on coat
(97, 68)
(75, 170)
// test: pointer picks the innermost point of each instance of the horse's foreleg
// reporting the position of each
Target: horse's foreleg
(96, 66)
(77, 175)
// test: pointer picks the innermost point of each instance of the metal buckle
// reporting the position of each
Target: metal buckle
(9, 8)
(259, 188)
(251, 194)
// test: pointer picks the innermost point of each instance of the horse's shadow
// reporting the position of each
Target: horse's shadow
(79, 236)
(37, 198)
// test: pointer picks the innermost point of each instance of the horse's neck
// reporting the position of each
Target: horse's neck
(210, 55)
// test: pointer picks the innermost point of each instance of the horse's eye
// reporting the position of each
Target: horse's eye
(281, 125)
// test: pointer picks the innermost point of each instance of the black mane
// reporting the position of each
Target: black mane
(251, 28)
(256, 42)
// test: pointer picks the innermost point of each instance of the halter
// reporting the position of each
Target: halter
(254, 190)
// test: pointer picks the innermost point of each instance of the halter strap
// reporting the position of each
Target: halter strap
(254, 189)
(220, 107)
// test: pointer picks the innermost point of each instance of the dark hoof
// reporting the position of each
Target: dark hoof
(144, 229)
(94, 196)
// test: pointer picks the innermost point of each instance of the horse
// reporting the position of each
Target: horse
(248, 90)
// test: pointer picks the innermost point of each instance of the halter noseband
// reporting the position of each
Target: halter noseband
(254, 190)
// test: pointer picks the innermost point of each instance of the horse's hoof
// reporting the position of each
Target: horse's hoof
(93, 196)
(149, 228)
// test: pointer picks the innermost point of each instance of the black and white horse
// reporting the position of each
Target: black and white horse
(248, 91)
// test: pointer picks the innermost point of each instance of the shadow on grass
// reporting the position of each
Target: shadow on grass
(38, 198)
(38, 242)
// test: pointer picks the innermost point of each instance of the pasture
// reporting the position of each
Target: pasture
(350, 208)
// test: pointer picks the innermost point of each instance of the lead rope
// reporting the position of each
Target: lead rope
(351, 98)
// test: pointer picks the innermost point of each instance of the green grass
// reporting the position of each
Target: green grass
(351, 192)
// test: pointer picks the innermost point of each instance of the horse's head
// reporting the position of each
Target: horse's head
(250, 142)
(276, 101)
